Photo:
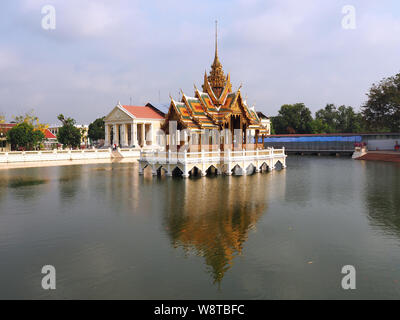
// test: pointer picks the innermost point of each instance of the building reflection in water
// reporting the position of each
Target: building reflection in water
(70, 180)
(211, 217)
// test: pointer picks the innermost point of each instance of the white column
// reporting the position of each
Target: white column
(144, 134)
(138, 130)
(151, 133)
(126, 135)
(121, 132)
(137, 134)
(119, 135)
(133, 140)
(106, 135)
(123, 138)
(115, 137)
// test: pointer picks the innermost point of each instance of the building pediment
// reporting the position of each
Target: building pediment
(235, 108)
(118, 115)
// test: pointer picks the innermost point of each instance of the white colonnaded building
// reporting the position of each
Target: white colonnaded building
(133, 126)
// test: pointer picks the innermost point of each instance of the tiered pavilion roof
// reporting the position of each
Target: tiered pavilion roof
(214, 106)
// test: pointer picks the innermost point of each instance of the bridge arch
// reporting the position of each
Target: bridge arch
(250, 169)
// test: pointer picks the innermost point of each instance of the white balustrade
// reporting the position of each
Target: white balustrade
(57, 155)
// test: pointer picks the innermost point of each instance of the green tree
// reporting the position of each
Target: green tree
(382, 109)
(272, 129)
(97, 129)
(327, 119)
(337, 120)
(25, 136)
(68, 134)
(348, 121)
(293, 118)
(319, 126)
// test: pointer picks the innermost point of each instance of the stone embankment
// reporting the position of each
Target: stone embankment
(388, 156)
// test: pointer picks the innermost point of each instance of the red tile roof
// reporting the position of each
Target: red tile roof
(8, 126)
(49, 135)
(143, 112)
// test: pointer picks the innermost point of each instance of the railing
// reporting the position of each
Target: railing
(129, 152)
(360, 149)
(215, 147)
(54, 155)
(154, 156)
(314, 146)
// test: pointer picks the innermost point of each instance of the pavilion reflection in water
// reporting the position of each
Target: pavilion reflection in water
(212, 218)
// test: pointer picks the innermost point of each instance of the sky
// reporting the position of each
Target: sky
(102, 52)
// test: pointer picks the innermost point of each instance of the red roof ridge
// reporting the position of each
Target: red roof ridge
(49, 135)
(144, 112)
(126, 105)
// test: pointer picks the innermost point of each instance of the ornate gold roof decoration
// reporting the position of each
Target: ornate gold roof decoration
(213, 107)
(217, 80)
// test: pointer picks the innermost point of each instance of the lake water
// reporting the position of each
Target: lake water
(111, 233)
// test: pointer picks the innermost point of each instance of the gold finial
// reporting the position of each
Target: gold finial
(216, 38)
(216, 78)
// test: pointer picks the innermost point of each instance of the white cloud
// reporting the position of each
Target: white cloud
(105, 51)
(8, 59)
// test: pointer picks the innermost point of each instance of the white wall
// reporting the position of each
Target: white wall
(56, 155)
(382, 144)
(129, 152)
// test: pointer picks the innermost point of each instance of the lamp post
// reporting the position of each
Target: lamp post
(1, 139)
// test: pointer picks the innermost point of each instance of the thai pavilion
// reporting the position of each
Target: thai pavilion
(217, 106)
(213, 131)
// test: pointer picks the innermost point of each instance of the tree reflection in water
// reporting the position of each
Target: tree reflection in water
(382, 204)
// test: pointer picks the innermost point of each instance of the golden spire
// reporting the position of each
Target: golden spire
(216, 39)
(217, 78)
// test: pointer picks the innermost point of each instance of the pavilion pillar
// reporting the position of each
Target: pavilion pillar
(126, 129)
(199, 143)
(107, 135)
(256, 142)
(151, 133)
(115, 139)
(137, 134)
(262, 141)
(110, 128)
(144, 134)
(118, 135)
(241, 129)
(133, 135)
(122, 133)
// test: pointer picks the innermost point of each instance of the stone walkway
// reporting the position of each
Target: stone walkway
(388, 156)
